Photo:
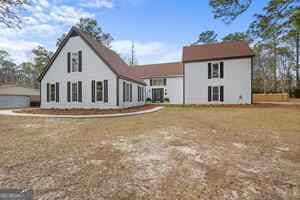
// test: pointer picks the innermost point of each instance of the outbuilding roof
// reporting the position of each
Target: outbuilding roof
(18, 90)
(157, 70)
(218, 51)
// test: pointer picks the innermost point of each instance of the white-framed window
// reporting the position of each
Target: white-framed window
(158, 81)
(52, 92)
(140, 93)
(215, 93)
(74, 92)
(99, 91)
(127, 92)
(75, 62)
(215, 70)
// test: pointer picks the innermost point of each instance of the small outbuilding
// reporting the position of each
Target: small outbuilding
(17, 96)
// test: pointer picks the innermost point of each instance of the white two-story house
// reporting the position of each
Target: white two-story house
(85, 74)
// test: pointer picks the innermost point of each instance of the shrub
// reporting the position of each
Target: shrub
(148, 100)
(166, 100)
(297, 92)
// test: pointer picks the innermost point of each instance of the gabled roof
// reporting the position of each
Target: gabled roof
(158, 70)
(225, 50)
(108, 56)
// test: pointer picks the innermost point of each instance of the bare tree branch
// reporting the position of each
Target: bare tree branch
(9, 12)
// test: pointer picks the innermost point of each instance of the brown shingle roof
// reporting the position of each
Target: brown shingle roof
(111, 58)
(156, 70)
(225, 50)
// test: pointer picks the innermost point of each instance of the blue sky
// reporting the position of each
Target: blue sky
(159, 27)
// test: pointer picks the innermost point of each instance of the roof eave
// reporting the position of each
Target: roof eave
(221, 58)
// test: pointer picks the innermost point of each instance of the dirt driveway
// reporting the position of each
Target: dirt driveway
(178, 153)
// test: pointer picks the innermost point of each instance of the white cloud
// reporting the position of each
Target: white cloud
(19, 50)
(97, 4)
(68, 15)
(147, 52)
(172, 56)
(141, 48)
(42, 19)
(44, 3)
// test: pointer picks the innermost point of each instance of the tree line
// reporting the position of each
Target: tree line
(274, 37)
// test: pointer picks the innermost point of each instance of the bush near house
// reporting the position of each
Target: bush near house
(297, 92)
(166, 100)
(148, 100)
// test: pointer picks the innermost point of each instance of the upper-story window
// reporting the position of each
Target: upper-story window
(215, 70)
(75, 62)
(158, 81)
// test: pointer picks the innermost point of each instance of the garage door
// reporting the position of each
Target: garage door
(14, 101)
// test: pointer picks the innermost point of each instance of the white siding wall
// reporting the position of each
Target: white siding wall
(173, 89)
(93, 68)
(135, 101)
(237, 81)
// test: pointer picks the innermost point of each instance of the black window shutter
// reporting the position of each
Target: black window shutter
(140, 93)
(80, 61)
(222, 93)
(138, 89)
(209, 93)
(130, 92)
(209, 70)
(105, 91)
(69, 91)
(124, 91)
(69, 62)
(79, 91)
(222, 70)
(165, 81)
(57, 91)
(48, 92)
(150, 82)
(93, 91)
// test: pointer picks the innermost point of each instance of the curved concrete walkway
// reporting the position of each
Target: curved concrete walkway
(11, 112)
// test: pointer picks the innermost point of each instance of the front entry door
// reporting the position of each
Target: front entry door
(158, 95)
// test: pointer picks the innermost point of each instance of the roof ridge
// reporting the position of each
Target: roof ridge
(179, 62)
(217, 43)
